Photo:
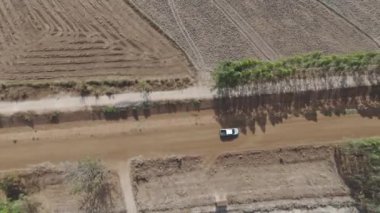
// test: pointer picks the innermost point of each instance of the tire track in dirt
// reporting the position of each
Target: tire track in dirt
(257, 42)
(349, 22)
(199, 59)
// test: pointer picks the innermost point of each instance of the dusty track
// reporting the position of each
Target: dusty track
(182, 133)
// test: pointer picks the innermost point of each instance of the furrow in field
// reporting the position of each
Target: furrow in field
(377, 43)
(9, 31)
(257, 42)
(198, 56)
(365, 15)
(50, 39)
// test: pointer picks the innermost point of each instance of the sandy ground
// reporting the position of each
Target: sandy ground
(182, 184)
(180, 133)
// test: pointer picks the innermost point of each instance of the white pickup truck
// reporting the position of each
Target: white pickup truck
(229, 132)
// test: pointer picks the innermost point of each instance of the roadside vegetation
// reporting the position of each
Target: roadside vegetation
(361, 170)
(90, 180)
(230, 74)
(16, 198)
(31, 90)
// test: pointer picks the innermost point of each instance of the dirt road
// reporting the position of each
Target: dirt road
(181, 133)
(72, 103)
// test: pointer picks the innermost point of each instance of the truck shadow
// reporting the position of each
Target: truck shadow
(230, 138)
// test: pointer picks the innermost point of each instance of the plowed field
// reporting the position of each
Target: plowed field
(214, 30)
(61, 40)
(250, 182)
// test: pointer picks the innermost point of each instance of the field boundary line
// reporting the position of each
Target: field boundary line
(246, 29)
(198, 56)
(126, 186)
(348, 21)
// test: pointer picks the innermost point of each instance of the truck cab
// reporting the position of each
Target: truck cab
(230, 132)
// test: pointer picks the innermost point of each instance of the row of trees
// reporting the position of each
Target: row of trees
(230, 74)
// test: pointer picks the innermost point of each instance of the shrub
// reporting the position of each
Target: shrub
(54, 117)
(84, 90)
(67, 84)
(90, 180)
(12, 187)
(367, 184)
(23, 205)
(10, 207)
(196, 104)
(111, 112)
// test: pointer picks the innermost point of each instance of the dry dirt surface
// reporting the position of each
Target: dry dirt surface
(166, 134)
(363, 14)
(214, 30)
(83, 40)
(250, 181)
(47, 188)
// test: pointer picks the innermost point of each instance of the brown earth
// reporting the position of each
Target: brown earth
(50, 40)
(309, 174)
(178, 133)
(365, 15)
(215, 30)
(245, 180)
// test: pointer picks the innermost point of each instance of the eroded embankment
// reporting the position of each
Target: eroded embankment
(248, 181)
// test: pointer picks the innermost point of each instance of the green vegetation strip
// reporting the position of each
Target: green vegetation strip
(230, 74)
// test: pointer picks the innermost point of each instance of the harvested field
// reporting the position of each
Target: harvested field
(363, 14)
(215, 30)
(249, 181)
(46, 187)
(200, 28)
(55, 40)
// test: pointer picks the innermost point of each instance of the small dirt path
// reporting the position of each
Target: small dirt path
(70, 103)
(126, 185)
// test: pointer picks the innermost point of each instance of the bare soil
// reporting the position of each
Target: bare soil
(363, 14)
(308, 173)
(166, 134)
(183, 183)
(215, 30)
(54, 40)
